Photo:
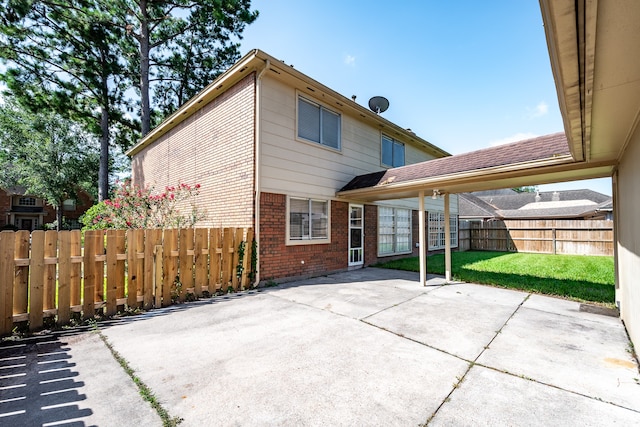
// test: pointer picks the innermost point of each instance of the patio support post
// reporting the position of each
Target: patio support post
(447, 239)
(423, 241)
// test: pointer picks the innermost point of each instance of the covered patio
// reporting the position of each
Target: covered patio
(541, 160)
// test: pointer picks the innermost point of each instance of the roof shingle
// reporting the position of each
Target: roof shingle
(543, 147)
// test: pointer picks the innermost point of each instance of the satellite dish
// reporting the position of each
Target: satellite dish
(378, 104)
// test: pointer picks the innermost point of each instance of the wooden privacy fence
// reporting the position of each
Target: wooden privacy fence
(576, 237)
(50, 273)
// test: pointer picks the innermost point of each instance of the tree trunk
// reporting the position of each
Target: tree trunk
(145, 113)
(103, 171)
(59, 215)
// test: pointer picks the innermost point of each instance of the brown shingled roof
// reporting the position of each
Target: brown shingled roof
(540, 148)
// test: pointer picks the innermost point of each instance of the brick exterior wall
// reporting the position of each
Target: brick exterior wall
(214, 148)
(5, 207)
(279, 261)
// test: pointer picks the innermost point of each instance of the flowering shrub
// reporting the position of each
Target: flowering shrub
(134, 207)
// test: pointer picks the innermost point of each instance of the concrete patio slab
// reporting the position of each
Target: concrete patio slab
(459, 319)
(69, 379)
(490, 398)
(302, 354)
(587, 356)
(357, 300)
(268, 361)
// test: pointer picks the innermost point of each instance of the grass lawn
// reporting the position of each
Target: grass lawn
(584, 278)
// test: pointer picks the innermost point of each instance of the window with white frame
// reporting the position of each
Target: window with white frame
(26, 201)
(394, 231)
(308, 219)
(318, 124)
(392, 152)
(436, 228)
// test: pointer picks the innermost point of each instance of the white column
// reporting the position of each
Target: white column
(423, 241)
(447, 239)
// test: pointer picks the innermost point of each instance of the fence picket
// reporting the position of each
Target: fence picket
(115, 269)
(170, 264)
(132, 264)
(235, 277)
(152, 238)
(36, 280)
(246, 261)
(200, 260)
(91, 239)
(227, 249)
(64, 277)
(186, 244)
(7, 262)
(76, 268)
(157, 271)
(21, 279)
(50, 252)
(215, 252)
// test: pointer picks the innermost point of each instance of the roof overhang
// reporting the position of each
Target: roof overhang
(593, 47)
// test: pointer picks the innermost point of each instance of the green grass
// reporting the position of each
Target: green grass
(584, 278)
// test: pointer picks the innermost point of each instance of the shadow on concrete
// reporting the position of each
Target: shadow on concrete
(38, 383)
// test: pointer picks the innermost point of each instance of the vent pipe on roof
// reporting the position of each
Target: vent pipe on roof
(538, 196)
(555, 197)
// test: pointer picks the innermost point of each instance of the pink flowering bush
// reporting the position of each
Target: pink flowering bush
(134, 207)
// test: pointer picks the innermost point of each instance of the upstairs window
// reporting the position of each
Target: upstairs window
(26, 201)
(318, 124)
(392, 152)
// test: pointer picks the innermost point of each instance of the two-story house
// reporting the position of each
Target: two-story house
(22, 211)
(270, 148)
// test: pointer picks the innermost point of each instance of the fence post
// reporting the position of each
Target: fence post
(21, 279)
(50, 253)
(200, 258)
(157, 278)
(64, 277)
(36, 281)
(7, 253)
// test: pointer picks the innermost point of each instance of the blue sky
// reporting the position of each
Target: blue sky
(463, 75)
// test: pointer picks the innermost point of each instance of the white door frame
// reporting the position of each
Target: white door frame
(356, 255)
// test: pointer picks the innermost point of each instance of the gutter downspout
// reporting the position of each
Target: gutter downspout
(257, 171)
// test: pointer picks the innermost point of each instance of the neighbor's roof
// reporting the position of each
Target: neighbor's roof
(518, 200)
(540, 148)
(569, 204)
(471, 206)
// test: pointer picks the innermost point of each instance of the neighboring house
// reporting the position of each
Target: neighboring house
(25, 212)
(508, 204)
(270, 148)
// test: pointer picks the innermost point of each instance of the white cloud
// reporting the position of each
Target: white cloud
(540, 110)
(350, 60)
(520, 136)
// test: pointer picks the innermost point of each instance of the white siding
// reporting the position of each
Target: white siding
(295, 167)
(287, 162)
